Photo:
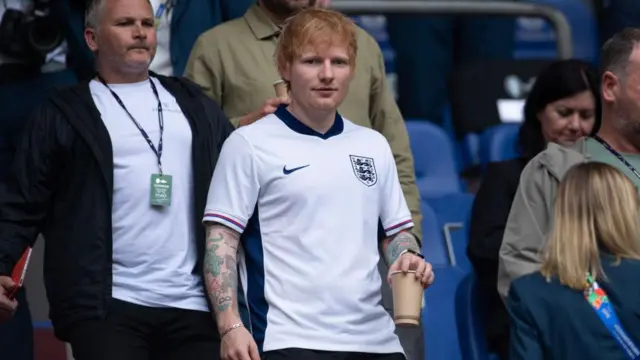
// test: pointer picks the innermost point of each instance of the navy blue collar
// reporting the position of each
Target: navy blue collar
(296, 125)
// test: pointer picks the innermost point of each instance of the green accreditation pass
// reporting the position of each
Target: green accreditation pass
(161, 185)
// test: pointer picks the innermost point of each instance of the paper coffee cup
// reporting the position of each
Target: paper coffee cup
(281, 88)
(407, 298)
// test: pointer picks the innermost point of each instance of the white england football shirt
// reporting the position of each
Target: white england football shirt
(308, 207)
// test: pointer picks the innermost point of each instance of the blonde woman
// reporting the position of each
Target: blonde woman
(584, 303)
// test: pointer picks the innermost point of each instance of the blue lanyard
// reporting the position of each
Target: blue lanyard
(616, 154)
(158, 150)
(599, 301)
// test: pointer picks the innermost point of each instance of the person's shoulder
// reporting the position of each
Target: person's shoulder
(368, 47)
(66, 106)
(364, 38)
(177, 83)
(628, 269)
(529, 282)
(363, 137)
(540, 298)
(182, 86)
(632, 264)
(260, 130)
(535, 288)
(363, 132)
(557, 159)
(239, 139)
(79, 88)
(623, 276)
(225, 33)
(67, 96)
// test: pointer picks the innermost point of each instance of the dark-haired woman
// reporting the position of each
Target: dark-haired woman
(562, 107)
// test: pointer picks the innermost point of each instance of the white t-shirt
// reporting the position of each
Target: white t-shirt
(308, 207)
(58, 55)
(161, 63)
(154, 249)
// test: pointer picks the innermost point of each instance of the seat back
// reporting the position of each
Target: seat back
(433, 245)
(498, 143)
(470, 149)
(469, 321)
(441, 330)
(439, 316)
(453, 213)
(433, 157)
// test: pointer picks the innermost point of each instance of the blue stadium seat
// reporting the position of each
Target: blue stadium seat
(439, 316)
(499, 143)
(449, 212)
(434, 158)
(535, 38)
(453, 213)
(469, 322)
(470, 150)
(433, 245)
(462, 160)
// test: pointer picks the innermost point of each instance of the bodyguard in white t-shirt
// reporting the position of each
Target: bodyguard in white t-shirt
(114, 172)
(296, 199)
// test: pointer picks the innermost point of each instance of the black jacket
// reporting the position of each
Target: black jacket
(61, 185)
(488, 220)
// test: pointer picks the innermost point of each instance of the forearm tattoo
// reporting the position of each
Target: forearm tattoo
(221, 272)
(399, 243)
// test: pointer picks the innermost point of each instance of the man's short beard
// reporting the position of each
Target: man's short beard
(281, 9)
(627, 126)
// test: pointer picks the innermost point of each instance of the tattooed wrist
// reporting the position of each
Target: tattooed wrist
(221, 271)
(398, 244)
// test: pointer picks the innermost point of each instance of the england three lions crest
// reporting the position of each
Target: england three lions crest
(365, 169)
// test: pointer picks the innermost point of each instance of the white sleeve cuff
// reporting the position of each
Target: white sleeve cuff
(398, 226)
(225, 219)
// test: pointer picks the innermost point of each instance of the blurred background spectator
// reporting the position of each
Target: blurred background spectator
(179, 23)
(593, 242)
(560, 108)
(425, 62)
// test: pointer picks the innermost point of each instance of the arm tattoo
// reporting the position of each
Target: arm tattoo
(397, 244)
(221, 272)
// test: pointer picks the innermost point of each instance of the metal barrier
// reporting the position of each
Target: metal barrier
(472, 8)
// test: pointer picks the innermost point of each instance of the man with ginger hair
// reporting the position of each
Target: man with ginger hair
(234, 64)
(301, 192)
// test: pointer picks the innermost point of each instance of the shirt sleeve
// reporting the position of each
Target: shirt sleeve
(394, 213)
(234, 188)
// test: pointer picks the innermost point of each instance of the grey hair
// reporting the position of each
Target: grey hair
(93, 13)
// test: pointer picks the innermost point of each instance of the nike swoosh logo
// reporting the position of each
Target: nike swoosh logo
(289, 171)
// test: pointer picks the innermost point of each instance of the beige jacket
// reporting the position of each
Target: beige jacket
(526, 231)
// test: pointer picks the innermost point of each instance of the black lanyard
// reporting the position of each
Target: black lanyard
(616, 154)
(157, 151)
